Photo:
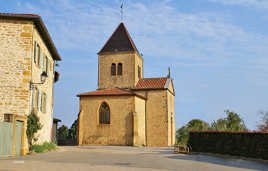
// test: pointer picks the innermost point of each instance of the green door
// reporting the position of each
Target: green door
(18, 137)
(6, 133)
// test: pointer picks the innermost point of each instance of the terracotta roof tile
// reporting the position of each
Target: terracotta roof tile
(151, 83)
(111, 91)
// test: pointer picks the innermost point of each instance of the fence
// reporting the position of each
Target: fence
(247, 144)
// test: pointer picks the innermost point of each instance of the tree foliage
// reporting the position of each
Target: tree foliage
(263, 127)
(33, 125)
(182, 134)
(73, 131)
(62, 132)
(232, 122)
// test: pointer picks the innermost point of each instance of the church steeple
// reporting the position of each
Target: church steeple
(120, 64)
(120, 41)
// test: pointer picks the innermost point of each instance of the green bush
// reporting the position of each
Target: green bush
(47, 146)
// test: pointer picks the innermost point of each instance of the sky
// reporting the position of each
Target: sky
(217, 50)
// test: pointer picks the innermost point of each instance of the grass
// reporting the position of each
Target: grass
(47, 146)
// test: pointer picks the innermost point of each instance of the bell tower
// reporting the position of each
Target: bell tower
(120, 63)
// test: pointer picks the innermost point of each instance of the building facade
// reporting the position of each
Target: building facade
(126, 109)
(26, 52)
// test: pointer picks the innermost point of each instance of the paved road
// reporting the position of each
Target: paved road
(123, 158)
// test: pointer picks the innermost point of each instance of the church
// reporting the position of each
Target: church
(126, 109)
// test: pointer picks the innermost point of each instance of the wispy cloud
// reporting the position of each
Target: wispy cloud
(248, 3)
(157, 29)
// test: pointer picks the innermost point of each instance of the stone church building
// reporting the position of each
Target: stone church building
(126, 109)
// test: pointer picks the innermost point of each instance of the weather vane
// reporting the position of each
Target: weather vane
(122, 5)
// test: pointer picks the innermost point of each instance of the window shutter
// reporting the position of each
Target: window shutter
(44, 62)
(47, 66)
(39, 56)
(37, 99)
(45, 103)
(33, 98)
(41, 103)
(35, 47)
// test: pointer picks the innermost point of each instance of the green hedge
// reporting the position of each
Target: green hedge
(247, 144)
(47, 146)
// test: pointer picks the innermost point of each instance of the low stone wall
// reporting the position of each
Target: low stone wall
(246, 144)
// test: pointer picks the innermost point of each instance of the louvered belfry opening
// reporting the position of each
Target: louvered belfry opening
(113, 69)
(120, 69)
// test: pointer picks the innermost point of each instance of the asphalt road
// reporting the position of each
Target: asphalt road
(119, 158)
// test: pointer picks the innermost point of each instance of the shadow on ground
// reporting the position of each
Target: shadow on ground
(239, 163)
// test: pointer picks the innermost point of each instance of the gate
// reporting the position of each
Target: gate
(18, 137)
(6, 133)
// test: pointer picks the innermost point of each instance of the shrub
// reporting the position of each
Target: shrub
(47, 146)
(33, 125)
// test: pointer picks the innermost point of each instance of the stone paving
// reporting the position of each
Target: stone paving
(124, 158)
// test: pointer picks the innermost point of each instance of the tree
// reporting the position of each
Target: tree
(182, 134)
(62, 132)
(197, 125)
(219, 125)
(73, 131)
(232, 122)
(33, 125)
(263, 127)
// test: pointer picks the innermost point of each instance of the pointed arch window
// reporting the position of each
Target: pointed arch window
(104, 113)
(120, 69)
(113, 69)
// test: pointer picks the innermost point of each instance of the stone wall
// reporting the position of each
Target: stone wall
(171, 115)
(120, 129)
(159, 129)
(128, 79)
(139, 122)
(17, 69)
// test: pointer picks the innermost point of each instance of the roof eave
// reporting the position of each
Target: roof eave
(41, 28)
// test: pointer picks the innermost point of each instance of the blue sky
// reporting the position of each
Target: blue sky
(217, 50)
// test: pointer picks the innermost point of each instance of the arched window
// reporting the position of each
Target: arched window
(120, 69)
(113, 69)
(104, 114)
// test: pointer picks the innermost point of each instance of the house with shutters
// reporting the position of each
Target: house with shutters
(126, 109)
(27, 76)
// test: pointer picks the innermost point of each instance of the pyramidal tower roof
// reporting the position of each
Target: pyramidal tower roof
(120, 41)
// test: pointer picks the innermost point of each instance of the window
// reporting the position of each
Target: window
(104, 114)
(120, 69)
(139, 72)
(113, 69)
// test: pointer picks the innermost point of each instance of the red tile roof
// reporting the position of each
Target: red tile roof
(111, 92)
(152, 83)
